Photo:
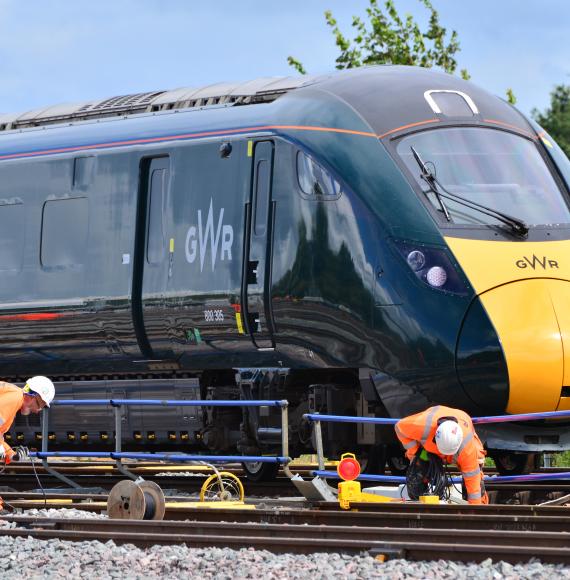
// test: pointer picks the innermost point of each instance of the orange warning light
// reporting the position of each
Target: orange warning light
(348, 467)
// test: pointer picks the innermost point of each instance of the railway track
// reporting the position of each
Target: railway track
(403, 531)
(102, 476)
(281, 487)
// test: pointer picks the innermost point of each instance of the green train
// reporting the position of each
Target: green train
(369, 242)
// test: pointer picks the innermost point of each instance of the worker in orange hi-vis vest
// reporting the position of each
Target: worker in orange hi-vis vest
(448, 434)
(37, 393)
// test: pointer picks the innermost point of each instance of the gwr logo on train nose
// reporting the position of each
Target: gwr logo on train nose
(204, 237)
(536, 262)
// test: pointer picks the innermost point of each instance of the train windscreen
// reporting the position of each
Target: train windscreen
(492, 168)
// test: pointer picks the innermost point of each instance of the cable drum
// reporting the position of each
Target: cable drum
(136, 500)
(149, 507)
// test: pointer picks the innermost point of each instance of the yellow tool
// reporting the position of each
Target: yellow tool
(222, 486)
(348, 470)
(429, 498)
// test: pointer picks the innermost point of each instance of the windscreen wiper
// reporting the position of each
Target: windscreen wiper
(429, 178)
(518, 226)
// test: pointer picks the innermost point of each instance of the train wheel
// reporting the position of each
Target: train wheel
(509, 463)
(396, 461)
(259, 471)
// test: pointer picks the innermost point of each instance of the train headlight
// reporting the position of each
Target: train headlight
(416, 260)
(433, 266)
(436, 276)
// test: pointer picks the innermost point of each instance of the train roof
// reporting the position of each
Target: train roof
(379, 101)
(392, 99)
(263, 90)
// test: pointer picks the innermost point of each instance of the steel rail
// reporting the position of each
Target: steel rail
(26, 482)
(470, 545)
(515, 518)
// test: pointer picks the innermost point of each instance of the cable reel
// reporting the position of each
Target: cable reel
(136, 500)
(222, 486)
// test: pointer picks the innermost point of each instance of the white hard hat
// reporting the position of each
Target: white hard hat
(41, 386)
(448, 437)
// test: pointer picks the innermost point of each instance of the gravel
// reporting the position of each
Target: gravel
(55, 559)
(29, 558)
(69, 513)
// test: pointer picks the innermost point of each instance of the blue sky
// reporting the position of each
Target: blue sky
(72, 50)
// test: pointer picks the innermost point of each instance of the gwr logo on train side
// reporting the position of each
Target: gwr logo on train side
(535, 262)
(199, 239)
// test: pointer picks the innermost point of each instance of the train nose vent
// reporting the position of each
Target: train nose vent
(565, 392)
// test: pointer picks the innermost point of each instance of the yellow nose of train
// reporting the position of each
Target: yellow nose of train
(525, 290)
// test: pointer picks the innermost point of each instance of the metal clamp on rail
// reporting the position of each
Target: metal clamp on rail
(118, 455)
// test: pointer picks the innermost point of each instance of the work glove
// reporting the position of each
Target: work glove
(423, 455)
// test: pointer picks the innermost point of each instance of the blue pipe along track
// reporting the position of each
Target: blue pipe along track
(314, 417)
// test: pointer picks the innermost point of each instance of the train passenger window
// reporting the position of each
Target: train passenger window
(83, 171)
(315, 180)
(65, 225)
(155, 247)
(12, 228)
(261, 196)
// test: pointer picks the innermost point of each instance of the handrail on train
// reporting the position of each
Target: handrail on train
(118, 455)
(317, 419)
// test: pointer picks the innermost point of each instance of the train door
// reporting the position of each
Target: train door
(152, 259)
(256, 280)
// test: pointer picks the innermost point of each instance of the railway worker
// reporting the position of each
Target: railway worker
(448, 434)
(37, 393)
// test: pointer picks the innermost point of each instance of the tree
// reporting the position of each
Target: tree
(392, 39)
(556, 118)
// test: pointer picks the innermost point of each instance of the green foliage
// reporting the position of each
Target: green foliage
(556, 118)
(561, 459)
(389, 38)
(511, 96)
(296, 65)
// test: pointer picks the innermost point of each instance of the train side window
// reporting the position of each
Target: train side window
(262, 197)
(83, 169)
(155, 246)
(315, 180)
(12, 228)
(65, 224)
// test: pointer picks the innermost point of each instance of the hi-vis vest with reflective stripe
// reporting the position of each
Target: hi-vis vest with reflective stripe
(418, 431)
(11, 399)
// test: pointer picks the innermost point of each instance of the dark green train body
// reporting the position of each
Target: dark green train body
(156, 253)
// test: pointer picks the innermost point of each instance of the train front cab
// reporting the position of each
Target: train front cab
(521, 283)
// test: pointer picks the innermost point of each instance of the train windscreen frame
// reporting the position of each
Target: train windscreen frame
(494, 168)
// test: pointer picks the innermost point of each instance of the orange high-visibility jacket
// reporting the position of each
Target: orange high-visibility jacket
(417, 431)
(11, 399)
